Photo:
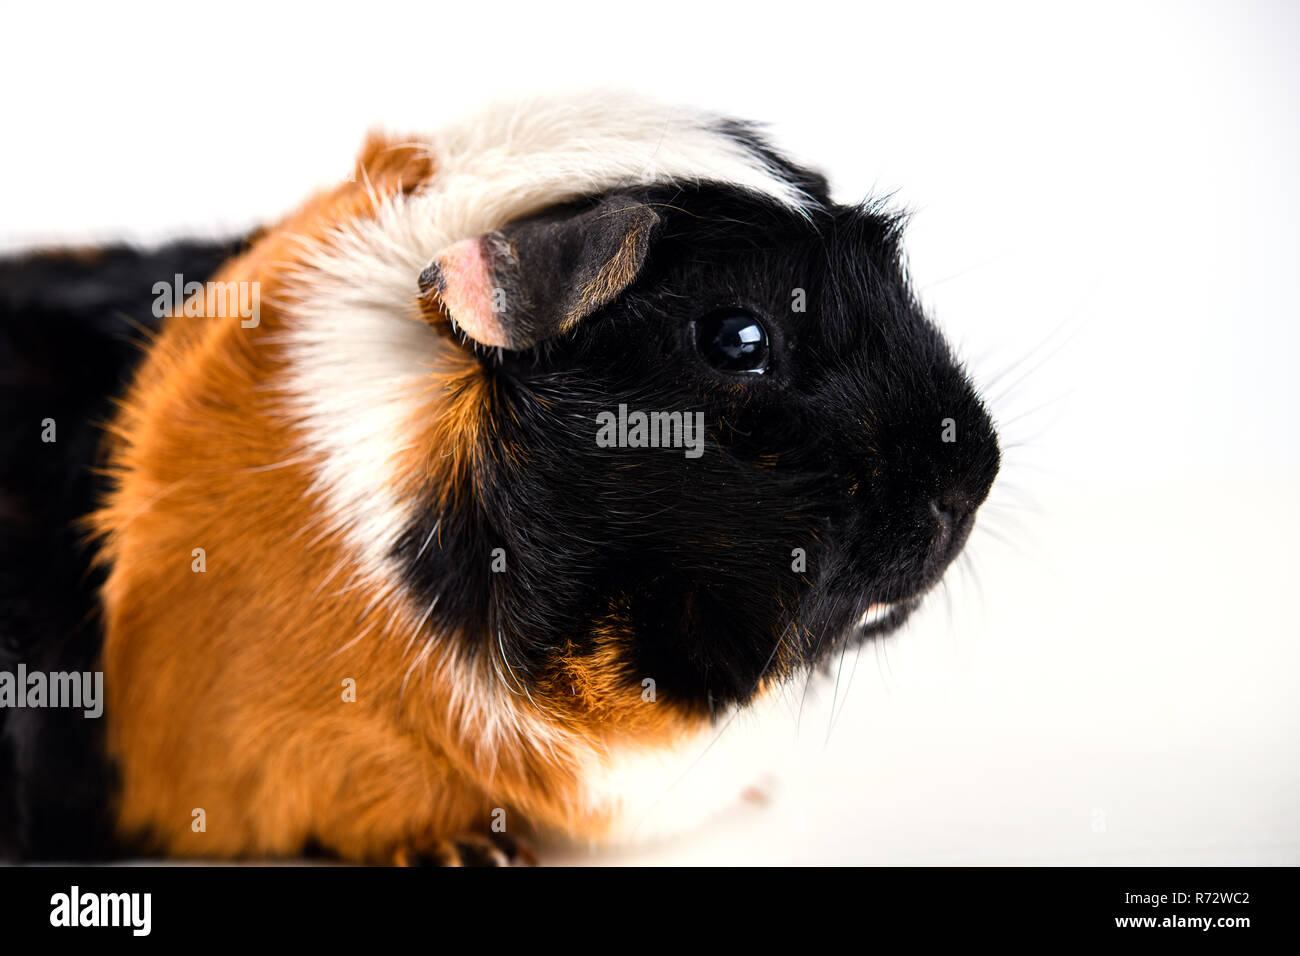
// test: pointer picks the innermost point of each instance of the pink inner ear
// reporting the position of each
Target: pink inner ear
(467, 292)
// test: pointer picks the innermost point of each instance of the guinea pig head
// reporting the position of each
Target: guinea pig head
(715, 439)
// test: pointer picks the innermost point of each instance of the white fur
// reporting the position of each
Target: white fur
(521, 156)
(651, 793)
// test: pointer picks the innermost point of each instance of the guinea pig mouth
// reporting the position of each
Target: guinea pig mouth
(885, 616)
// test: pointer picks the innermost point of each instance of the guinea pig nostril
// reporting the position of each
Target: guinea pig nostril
(951, 508)
(942, 535)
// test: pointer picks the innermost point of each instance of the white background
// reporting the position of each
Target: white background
(1105, 219)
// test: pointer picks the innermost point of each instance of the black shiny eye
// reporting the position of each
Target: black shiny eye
(733, 341)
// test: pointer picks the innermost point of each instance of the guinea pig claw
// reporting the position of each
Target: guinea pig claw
(471, 849)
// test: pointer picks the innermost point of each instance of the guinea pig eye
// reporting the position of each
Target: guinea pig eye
(733, 341)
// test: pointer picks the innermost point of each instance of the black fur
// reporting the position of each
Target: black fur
(70, 331)
(837, 449)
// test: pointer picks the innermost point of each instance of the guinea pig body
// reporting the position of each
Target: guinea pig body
(374, 580)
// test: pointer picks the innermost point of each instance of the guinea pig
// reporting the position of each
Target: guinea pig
(470, 497)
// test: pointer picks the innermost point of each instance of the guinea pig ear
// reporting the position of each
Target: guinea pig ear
(539, 277)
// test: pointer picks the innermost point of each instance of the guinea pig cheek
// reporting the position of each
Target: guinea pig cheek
(464, 285)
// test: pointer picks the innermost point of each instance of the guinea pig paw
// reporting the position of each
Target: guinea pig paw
(471, 849)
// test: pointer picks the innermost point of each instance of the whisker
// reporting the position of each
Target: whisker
(835, 717)
(839, 670)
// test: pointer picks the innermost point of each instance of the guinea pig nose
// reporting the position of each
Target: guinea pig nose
(953, 513)
(951, 508)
